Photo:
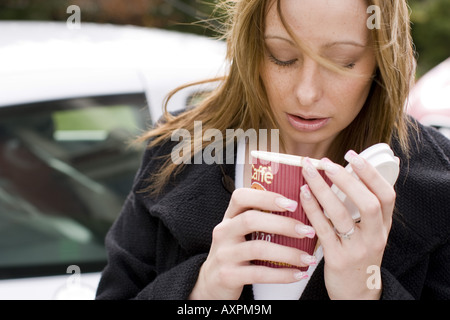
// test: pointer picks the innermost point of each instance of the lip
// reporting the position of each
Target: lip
(307, 123)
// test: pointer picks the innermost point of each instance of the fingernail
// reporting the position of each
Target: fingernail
(309, 260)
(309, 168)
(329, 166)
(306, 192)
(306, 231)
(354, 159)
(300, 275)
(287, 204)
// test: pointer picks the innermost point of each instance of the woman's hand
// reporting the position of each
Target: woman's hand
(228, 266)
(348, 259)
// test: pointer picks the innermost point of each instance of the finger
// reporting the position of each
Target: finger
(374, 181)
(337, 212)
(260, 274)
(244, 199)
(278, 254)
(313, 211)
(364, 199)
(269, 223)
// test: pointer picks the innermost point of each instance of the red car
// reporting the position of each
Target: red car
(429, 100)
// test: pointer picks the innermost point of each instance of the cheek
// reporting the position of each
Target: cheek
(350, 96)
(277, 85)
(351, 92)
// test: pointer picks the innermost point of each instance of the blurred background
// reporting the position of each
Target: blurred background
(430, 18)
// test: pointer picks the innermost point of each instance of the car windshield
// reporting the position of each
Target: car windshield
(66, 168)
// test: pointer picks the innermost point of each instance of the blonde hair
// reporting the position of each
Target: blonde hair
(240, 100)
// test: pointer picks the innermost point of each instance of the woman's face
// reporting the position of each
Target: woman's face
(311, 103)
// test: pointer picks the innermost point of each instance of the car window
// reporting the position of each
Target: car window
(66, 168)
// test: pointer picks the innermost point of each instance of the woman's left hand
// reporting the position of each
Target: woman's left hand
(349, 261)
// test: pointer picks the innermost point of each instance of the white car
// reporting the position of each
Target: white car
(71, 100)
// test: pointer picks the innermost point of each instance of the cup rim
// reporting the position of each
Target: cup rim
(284, 158)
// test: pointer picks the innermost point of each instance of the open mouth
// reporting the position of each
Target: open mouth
(307, 123)
(307, 119)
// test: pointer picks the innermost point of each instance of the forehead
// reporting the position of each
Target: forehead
(319, 22)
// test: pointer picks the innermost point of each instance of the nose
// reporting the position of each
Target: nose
(309, 86)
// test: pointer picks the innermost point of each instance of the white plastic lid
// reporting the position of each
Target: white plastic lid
(383, 159)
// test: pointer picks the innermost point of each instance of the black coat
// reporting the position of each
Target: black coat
(158, 244)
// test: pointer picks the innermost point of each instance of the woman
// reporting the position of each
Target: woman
(333, 85)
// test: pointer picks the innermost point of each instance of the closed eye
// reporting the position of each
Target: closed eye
(350, 66)
(282, 63)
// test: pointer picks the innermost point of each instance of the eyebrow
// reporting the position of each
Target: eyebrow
(279, 38)
(345, 42)
(327, 45)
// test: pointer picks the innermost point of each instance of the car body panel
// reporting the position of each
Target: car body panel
(47, 66)
(429, 100)
(51, 59)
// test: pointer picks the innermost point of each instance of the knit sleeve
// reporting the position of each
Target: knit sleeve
(144, 259)
(437, 283)
(133, 245)
(392, 288)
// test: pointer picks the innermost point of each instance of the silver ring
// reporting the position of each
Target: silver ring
(346, 235)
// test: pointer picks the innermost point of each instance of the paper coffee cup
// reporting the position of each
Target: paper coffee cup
(282, 174)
